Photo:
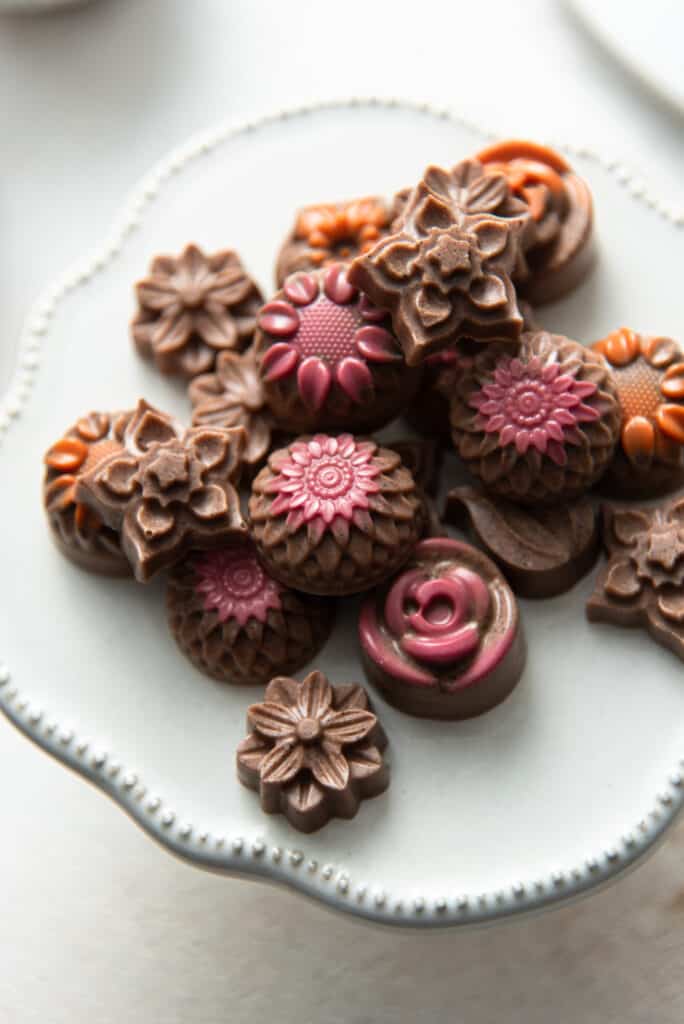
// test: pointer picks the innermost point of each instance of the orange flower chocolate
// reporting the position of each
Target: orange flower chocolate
(332, 232)
(649, 376)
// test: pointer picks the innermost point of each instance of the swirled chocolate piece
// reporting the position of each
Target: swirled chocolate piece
(643, 582)
(328, 233)
(168, 490)
(191, 307)
(558, 248)
(648, 371)
(443, 639)
(542, 551)
(334, 515)
(79, 532)
(328, 357)
(238, 624)
(538, 426)
(314, 751)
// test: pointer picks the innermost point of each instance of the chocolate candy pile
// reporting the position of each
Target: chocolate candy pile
(277, 500)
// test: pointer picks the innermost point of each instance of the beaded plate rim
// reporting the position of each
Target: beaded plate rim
(238, 855)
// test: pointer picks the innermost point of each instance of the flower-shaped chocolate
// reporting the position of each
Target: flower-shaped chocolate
(78, 531)
(442, 281)
(314, 751)
(168, 490)
(649, 375)
(328, 360)
(539, 426)
(237, 623)
(233, 396)
(333, 515)
(642, 584)
(443, 638)
(329, 232)
(193, 306)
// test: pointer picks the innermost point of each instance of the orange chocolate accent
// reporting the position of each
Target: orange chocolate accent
(670, 419)
(325, 225)
(638, 440)
(93, 426)
(59, 493)
(672, 385)
(620, 347)
(66, 455)
(517, 149)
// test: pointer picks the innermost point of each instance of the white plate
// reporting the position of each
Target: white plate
(557, 790)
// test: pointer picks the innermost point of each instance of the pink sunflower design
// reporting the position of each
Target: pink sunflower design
(232, 583)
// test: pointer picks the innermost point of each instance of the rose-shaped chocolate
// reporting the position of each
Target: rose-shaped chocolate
(443, 638)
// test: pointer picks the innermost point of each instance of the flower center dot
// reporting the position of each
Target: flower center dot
(330, 478)
(308, 730)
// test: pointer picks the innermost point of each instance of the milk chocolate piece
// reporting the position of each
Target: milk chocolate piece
(334, 515)
(541, 425)
(558, 248)
(443, 639)
(328, 233)
(168, 491)
(193, 306)
(445, 273)
(542, 551)
(649, 376)
(238, 624)
(79, 532)
(328, 357)
(643, 581)
(314, 751)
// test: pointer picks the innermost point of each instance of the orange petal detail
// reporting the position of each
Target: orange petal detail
(670, 419)
(66, 455)
(620, 347)
(638, 440)
(672, 385)
(516, 149)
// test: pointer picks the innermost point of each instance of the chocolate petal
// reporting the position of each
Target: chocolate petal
(282, 763)
(376, 345)
(622, 580)
(349, 726)
(315, 696)
(283, 690)
(209, 503)
(328, 765)
(350, 695)
(304, 796)
(217, 330)
(171, 333)
(364, 762)
(314, 380)
(627, 525)
(272, 720)
(671, 606)
(250, 753)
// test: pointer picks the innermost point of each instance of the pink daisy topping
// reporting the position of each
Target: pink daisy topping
(233, 584)
(325, 482)
(532, 405)
(327, 332)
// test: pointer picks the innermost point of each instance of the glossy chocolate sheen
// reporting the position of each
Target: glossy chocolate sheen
(542, 551)
(314, 751)
(443, 638)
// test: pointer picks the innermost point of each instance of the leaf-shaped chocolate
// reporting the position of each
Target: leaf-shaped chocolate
(542, 551)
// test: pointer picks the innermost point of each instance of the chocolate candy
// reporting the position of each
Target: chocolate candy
(233, 396)
(643, 581)
(168, 490)
(542, 551)
(238, 624)
(538, 426)
(79, 532)
(649, 375)
(314, 751)
(334, 515)
(443, 639)
(329, 360)
(445, 273)
(558, 248)
(332, 233)
(191, 307)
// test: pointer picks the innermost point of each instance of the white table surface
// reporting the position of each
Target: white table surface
(96, 922)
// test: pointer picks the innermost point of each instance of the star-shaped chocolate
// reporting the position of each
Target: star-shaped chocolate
(642, 583)
(167, 490)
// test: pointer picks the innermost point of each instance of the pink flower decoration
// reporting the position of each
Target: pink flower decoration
(534, 405)
(233, 584)
(325, 482)
(327, 335)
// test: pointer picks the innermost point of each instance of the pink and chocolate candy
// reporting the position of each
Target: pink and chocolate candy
(443, 639)
(328, 357)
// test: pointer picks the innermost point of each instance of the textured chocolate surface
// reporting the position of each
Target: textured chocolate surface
(649, 376)
(193, 306)
(334, 515)
(443, 274)
(558, 250)
(238, 624)
(542, 551)
(328, 357)
(314, 751)
(328, 233)
(443, 638)
(643, 581)
(168, 491)
(78, 531)
(233, 396)
(539, 426)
